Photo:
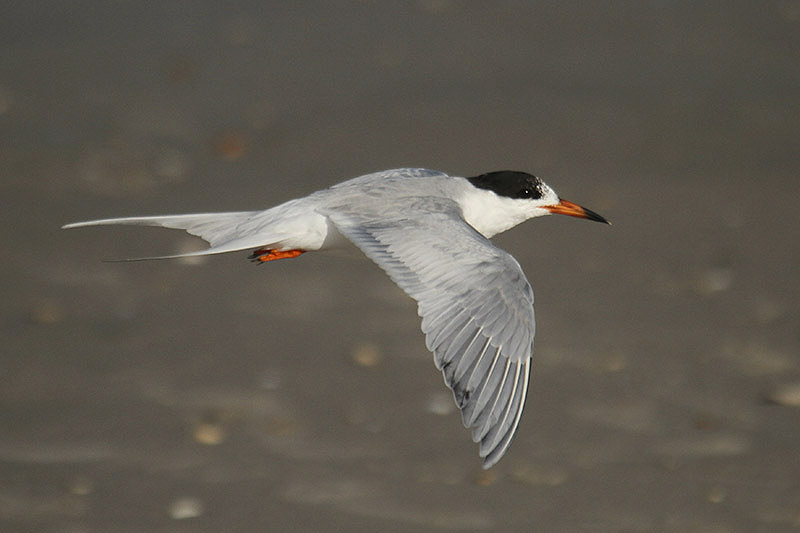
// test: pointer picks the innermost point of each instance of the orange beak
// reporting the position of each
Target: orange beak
(574, 210)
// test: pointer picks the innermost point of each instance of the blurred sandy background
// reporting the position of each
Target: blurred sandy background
(298, 396)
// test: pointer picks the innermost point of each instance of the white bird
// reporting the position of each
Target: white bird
(430, 232)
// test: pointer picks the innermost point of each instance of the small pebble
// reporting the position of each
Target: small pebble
(209, 433)
(366, 354)
(484, 478)
(184, 508)
(787, 395)
(440, 403)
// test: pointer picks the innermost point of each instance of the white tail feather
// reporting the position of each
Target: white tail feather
(225, 232)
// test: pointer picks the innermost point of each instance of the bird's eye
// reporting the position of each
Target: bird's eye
(529, 190)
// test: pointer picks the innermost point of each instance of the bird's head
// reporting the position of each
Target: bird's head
(500, 200)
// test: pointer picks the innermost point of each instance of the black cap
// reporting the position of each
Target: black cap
(510, 183)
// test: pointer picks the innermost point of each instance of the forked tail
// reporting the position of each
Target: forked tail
(224, 232)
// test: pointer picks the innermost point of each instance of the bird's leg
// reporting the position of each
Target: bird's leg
(262, 255)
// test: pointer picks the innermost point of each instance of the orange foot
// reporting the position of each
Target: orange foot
(262, 255)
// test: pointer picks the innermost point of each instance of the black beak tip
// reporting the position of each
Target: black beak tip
(591, 215)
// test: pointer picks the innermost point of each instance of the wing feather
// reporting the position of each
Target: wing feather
(469, 355)
(475, 303)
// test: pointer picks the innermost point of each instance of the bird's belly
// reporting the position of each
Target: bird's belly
(312, 234)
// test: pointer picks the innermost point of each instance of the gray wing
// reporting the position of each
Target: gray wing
(394, 173)
(475, 303)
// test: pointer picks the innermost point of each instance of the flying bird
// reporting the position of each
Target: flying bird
(430, 232)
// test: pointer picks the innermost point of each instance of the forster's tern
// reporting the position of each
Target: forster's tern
(430, 232)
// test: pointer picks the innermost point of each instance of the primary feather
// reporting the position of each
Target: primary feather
(475, 303)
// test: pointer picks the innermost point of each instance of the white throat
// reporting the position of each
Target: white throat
(491, 214)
